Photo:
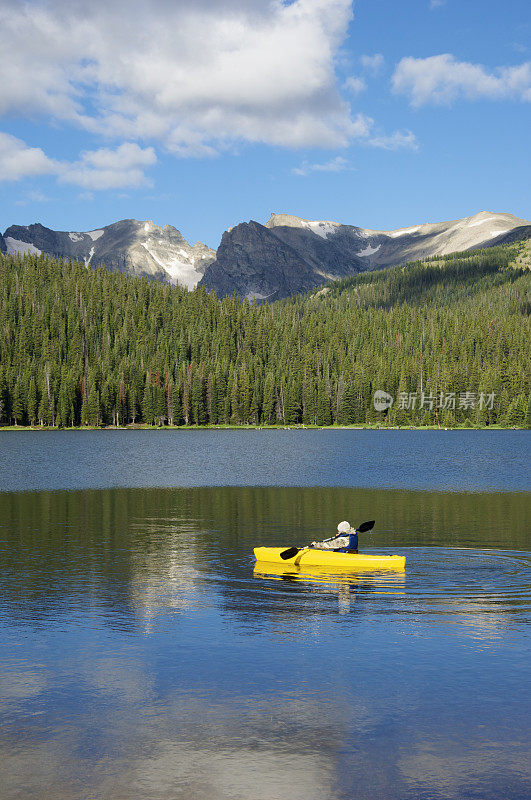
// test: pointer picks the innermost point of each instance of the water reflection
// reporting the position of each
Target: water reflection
(144, 655)
(338, 582)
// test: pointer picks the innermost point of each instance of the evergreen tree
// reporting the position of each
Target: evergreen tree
(198, 400)
(4, 405)
(268, 400)
(33, 402)
(17, 406)
(527, 421)
(93, 408)
(159, 404)
(64, 407)
(148, 407)
(169, 400)
(234, 400)
(44, 412)
(324, 414)
(84, 411)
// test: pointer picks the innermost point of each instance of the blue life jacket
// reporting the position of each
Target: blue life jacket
(352, 544)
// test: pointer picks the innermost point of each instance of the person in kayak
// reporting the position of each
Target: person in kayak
(346, 540)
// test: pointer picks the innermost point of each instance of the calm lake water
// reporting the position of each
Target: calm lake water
(144, 656)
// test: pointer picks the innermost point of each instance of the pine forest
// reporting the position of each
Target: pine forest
(447, 339)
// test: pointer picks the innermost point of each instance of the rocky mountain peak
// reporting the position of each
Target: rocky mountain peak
(139, 247)
(322, 228)
(299, 251)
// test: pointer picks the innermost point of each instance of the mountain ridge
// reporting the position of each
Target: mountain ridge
(326, 250)
(285, 256)
(133, 246)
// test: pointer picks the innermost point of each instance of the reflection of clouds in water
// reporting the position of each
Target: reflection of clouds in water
(165, 577)
(437, 770)
(42, 770)
(287, 748)
(115, 735)
(19, 686)
(170, 770)
(113, 677)
(186, 773)
(183, 748)
(157, 587)
(487, 627)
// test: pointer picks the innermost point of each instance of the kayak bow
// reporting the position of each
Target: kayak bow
(329, 558)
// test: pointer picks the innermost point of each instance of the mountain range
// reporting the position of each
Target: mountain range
(138, 248)
(286, 256)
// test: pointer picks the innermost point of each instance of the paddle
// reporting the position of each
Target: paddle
(292, 551)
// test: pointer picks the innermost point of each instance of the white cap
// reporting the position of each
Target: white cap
(344, 527)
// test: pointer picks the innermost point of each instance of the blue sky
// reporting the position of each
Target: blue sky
(205, 113)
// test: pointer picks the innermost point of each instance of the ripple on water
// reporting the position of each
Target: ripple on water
(437, 579)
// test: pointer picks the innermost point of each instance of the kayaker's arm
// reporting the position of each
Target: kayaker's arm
(331, 544)
(344, 532)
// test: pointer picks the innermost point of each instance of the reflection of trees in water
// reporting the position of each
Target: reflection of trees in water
(137, 550)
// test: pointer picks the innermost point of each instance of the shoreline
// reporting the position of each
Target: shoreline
(162, 428)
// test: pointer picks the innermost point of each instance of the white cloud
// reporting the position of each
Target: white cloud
(442, 79)
(355, 84)
(17, 160)
(399, 140)
(373, 63)
(110, 169)
(33, 196)
(337, 164)
(96, 169)
(362, 126)
(198, 76)
(437, 4)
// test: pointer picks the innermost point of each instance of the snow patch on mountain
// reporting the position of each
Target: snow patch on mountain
(183, 274)
(15, 246)
(369, 251)
(76, 237)
(403, 231)
(256, 296)
(480, 222)
(95, 235)
(181, 270)
(88, 259)
(152, 254)
(322, 229)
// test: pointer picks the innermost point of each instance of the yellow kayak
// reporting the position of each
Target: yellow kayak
(328, 558)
